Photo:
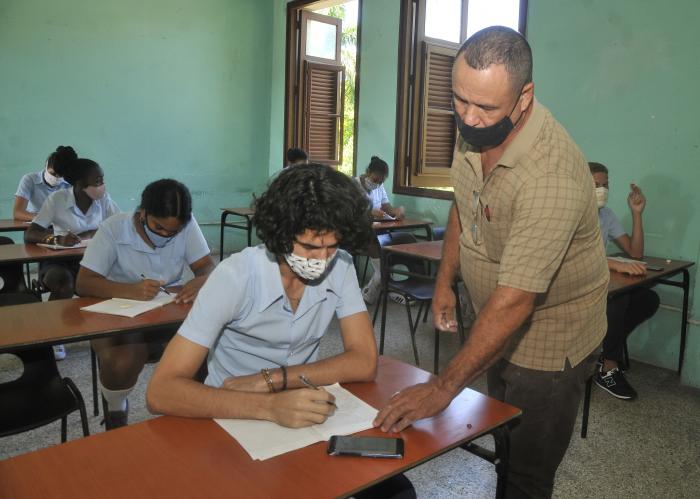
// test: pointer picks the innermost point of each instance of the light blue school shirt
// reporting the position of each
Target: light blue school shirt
(118, 253)
(33, 188)
(610, 227)
(377, 196)
(243, 317)
(60, 210)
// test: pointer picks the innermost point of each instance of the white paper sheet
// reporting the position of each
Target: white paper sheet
(82, 244)
(264, 439)
(129, 308)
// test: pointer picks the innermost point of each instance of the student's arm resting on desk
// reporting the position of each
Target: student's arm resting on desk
(173, 391)
(19, 210)
(631, 268)
(91, 283)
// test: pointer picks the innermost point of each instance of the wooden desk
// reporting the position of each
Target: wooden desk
(62, 321)
(244, 222)
(11, 225)
(406, 224)
(180, 457)
(619, 283)
(26, 253)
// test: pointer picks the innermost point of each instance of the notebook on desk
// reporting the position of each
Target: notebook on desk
(264, 439)
(82, 244)
(129, 308)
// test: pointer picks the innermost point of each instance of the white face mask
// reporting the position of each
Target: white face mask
(601, 196)
(95, 192)
(369, 185)
(52, 180)
(309, 269)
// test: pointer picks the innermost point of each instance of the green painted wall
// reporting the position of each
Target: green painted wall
(620, 76)
(147, 88)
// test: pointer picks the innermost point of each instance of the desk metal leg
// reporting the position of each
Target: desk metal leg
(499, 458)
(224, 214)
(249, 229)
(684, 319)
(385, 295)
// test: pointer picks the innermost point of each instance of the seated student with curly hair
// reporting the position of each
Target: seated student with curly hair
(260, 316)
(131, 256)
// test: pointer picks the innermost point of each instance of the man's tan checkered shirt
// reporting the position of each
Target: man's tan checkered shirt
(535, 223)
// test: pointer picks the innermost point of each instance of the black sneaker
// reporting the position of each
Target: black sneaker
(615, 384)
(114, 419)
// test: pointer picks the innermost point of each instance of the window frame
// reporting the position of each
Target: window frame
(410, 75)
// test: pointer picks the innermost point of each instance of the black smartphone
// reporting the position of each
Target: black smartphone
(339, 445)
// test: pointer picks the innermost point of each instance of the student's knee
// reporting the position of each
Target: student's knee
(120, 365)
(60, 282)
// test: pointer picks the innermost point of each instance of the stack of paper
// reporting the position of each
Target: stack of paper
(129, 308)
(264, 439)
(622, 259)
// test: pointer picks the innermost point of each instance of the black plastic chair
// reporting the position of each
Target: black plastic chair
(39, 396)
(418, 286)
(11, 274)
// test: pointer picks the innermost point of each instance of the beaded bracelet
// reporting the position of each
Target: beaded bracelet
(268, 379)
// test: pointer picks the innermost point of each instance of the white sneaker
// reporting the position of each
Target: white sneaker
(59, 352)
(369, 293)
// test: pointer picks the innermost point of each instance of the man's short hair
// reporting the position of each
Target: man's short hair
(597, 167)
(295, 155)
(500, 45)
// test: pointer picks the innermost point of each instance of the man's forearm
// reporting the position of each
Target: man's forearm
(449, 264)
(503, 314)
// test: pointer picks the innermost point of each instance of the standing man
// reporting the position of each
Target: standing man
(524, 233)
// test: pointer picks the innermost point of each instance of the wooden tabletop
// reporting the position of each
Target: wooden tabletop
(180, 457)
(427, 250)
(406, 223)
(23, 253)
(243, 212)
(62, 321)
(621, 282)
(9, 225)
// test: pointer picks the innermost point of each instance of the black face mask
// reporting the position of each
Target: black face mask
(489, 135)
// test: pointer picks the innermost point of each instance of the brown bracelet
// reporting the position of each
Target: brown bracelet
(268, 379)
(50, 239)
(284, 377)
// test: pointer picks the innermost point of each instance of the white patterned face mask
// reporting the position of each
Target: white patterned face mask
(601, 196)
(309, 269)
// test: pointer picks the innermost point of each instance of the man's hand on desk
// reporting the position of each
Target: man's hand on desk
(631, 268)
(413, 403)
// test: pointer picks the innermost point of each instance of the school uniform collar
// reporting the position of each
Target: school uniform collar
(271, 289)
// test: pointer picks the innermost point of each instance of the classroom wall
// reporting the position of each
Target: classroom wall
(620, 76)
(149, 89)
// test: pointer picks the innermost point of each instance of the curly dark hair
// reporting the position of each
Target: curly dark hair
(62, 156)
(167, 198)
(315, 197)
(76, 171)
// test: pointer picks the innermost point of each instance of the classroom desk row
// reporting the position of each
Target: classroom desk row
(243, 220)
(431, 251)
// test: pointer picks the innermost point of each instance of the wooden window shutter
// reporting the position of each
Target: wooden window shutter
(323, 112)
(437, 136)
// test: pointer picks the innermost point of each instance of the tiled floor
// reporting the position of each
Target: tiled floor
(646, 448)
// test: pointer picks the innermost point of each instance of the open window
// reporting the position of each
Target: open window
(315, 110)
(430, 34)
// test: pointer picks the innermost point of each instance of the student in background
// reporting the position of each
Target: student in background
(296, 156)
(372, 183)
(132, 256)
(67, 217)
(260, 316)
(627, 310)
(34, 188)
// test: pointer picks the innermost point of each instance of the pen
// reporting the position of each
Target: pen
(309, 384)
(159, 287)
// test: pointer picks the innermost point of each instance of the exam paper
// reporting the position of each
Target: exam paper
(622, 259)
(129, 308)
(264, 439)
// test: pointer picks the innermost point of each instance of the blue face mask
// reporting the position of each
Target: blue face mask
(157, 240)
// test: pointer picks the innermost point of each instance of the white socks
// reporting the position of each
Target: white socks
(116, 399)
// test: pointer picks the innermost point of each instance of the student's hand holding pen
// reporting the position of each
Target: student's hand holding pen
(301, 407)
(68, 239)
(146, 289)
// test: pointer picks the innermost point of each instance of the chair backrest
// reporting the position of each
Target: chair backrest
(11, 275)
(438, 233)
(414, 265)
